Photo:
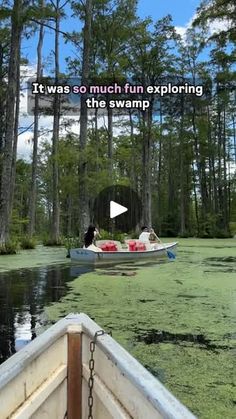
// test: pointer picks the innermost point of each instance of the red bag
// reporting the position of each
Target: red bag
(109, 247)
(104, 247)
(132, 246)
(140, 247)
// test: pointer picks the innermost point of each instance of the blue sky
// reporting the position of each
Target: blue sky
(181, 11)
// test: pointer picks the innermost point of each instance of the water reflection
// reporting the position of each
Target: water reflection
(23, 295)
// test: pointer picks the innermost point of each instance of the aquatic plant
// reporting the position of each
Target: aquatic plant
(27, 243)
(176, 318)
(10, 248)
(49, 241)
(71, 242)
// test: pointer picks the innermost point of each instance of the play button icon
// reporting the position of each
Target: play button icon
(116, 209)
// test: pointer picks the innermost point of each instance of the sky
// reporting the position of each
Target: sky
(182, 11)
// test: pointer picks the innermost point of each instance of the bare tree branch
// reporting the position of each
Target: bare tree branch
(54, 29)
(64, 4)
(26, 129)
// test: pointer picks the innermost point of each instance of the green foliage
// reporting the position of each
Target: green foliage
(5, 13)
(71, 242)
(169, 226)
(18, 224)
(232, 227)
(210, 227)
(50, 242)
(29, 14)
(10, 248)
(190, 147)
(38, 13)
(27, 243)
(132, 235)
(218, 10)
(118, 236)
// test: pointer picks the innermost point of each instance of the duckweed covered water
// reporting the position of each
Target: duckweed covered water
(40, 256)
(177, 318)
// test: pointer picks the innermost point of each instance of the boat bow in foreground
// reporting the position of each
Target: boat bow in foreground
(49, 379)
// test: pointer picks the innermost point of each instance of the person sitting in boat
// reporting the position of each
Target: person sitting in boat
(145, 235)
(149, 238)
(89, 239)
(153, 237)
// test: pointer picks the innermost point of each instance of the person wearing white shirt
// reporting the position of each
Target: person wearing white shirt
(145, 237)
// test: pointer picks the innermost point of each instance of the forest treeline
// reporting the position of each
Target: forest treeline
(179, 154)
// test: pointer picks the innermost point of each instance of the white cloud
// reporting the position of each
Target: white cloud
(216, 26)
(181, 30)
(25, 140)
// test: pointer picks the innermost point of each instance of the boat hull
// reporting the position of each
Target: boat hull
(88, 257)
(50, 378)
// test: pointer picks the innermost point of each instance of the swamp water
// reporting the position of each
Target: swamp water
(24, 292)
(177, 318)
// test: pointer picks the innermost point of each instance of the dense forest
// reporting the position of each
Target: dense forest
(179, 154)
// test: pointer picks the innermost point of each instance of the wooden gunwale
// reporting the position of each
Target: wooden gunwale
(74, 383)
(159, 397)
(154, 391)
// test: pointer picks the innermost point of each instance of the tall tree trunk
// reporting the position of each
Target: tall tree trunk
(182, 173)
(69, 216)
(2, 100)
(16, 28)
(234, 136)
(55, 139)
(210, 177)
(133, 174)
(15, 140)
(219, 157)
(225, 189)
(215, 201)
(84, 216)
(147, 168)
(159, 177)
(110, 141)
(33, 185)
(195, 200)
(96, 138)
(201, 167)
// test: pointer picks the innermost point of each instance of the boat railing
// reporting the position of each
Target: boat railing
(49, 378)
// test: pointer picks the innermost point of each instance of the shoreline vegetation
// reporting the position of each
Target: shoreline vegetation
(38, 254)
(16, 245)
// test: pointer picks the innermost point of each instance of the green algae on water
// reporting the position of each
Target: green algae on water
(178, 319)
(40, 256)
